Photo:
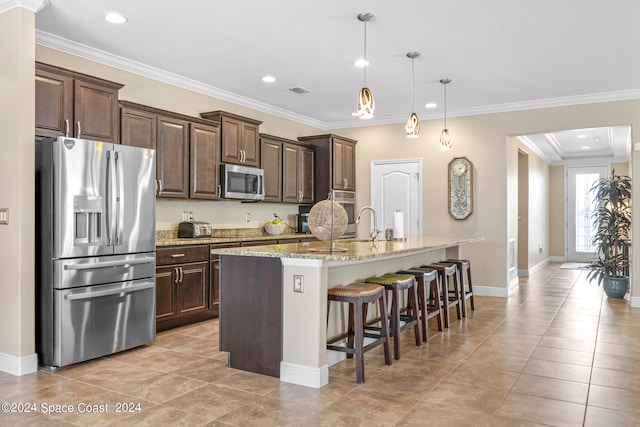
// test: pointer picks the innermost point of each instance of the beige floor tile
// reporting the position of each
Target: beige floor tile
(268, 412)
(625, 350)
(386, 409)
(212, 401)
(620, 363)
(568, 343)
(541, 410)
(485, 398)
(161, 387)
(564, 356)
(614, 398)
(253, 383)
(317, 398)
(161, 415)
(601, 417)
(616, 379)
(557, 370)
(428, 414)
(551, 388)
(326, 418)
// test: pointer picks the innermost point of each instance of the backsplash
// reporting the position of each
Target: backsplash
(227, 218)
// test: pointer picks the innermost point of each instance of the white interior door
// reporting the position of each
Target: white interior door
(580, 205)
(397, 185)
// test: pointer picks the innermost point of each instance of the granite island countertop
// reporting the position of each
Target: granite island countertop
(348, 250)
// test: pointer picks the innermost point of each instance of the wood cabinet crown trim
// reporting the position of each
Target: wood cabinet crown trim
(80, 76)
(285, 140)
(218, 114)
(173, 114)
(324, 137)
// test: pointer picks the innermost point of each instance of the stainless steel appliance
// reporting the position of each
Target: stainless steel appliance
(95, 249)
(241, 182)
(347, 199)
(194, 229)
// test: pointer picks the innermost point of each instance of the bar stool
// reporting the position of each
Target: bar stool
(358, 296)
(446, 272)
(466, 289)
(428, 297)
(395, 283)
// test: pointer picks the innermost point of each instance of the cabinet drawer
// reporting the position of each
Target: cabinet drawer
(182, 254)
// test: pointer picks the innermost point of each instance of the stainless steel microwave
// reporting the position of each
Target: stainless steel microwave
(347, 199)
(241, 182)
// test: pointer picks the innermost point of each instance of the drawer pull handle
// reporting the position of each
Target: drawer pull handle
(177, 255)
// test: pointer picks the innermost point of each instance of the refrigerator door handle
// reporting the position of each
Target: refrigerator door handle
(121, 291)
(119, 199)
(121, 263)
(110, 202)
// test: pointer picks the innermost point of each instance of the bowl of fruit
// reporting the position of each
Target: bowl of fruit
(275, 226)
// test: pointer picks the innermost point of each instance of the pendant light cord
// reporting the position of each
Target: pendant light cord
(365, 54)
(413, 87)
(445, 106)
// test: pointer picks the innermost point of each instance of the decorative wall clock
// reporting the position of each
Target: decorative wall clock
(460, 188)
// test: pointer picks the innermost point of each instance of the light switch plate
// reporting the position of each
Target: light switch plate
(4, 216)
(298, 283)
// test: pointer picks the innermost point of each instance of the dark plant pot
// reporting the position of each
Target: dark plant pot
(615, 287)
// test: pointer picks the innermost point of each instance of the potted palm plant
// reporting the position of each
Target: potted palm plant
(611, 222)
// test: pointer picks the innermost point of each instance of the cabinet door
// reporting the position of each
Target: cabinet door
(138, 128)
(290, 191)
(250, 145)
(305, 174)
(95, 112)
(338, 148)
(166, 307)
(205, 162)
(271, 162)
(192, 288)
(231, 140)
(349, 166)
(172, 157)
(54, 106)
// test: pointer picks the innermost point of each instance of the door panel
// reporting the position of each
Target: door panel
(53, 104)
(173, 160)
(95, 112)
(136, 168)
(80, 198)
(205, 162)
(192, 288)
(580, 205)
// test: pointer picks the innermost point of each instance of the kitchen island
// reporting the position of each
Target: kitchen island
(273, 298)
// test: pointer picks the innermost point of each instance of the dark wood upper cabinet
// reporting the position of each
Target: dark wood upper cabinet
(271, 162)
(172, 157)
(76, 105)
(239, 140)
(187, 149)
(205, 161)
(297, 173)
(338, 157)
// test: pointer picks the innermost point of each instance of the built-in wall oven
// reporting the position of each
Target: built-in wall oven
(347, 199)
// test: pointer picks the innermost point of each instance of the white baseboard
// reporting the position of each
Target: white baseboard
(634, 302)
(523, 273)
(304, 375)
(539, 266)
(490, 291)
(18, 365)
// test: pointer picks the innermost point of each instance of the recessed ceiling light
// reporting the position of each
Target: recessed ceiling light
(269, 79)
(581, 136)
(585, 147)
(431, 105)
(115, 18)
(360, 63)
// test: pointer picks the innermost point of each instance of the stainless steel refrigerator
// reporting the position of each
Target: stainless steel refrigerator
(95, 249)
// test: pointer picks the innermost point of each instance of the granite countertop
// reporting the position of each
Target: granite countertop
(352, 250)
(175, 241)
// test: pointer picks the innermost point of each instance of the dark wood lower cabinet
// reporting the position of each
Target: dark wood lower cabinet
(182, 286)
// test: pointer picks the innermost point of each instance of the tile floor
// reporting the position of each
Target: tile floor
(557, 352)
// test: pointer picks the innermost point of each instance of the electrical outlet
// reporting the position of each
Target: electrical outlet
(298, 283)
(247, 217)
(4, 216)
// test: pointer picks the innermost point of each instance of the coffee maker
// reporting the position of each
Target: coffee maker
(302, 219)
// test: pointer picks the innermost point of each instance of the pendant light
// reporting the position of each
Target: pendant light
(365, 104)
(445, 136)
(412, 128)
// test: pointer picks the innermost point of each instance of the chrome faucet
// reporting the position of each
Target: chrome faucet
(374, 233)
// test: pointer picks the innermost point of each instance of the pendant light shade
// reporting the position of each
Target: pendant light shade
(365, 105)
(445, 136)
(412, 128)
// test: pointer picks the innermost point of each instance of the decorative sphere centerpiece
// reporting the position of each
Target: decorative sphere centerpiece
(328, 221)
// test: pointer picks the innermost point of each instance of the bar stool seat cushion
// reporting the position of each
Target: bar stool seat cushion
(355, 290)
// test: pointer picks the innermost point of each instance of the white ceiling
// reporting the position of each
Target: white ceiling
(502, 55)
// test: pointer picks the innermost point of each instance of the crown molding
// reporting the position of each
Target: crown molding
(32, 5)
(84, 51)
